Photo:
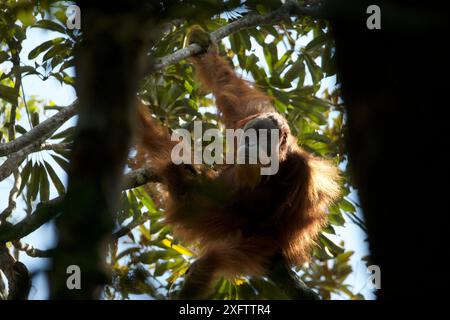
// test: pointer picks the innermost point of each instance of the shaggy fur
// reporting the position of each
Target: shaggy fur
(238, 227)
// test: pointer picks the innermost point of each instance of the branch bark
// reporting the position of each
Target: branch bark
(288, 281)
(44, 212)
(113, 48)
(138, 178)
(48, 210)
(44, 129)
(12, 197)
(12, 163)
(286, 11)
(31, 251)
(133, 224)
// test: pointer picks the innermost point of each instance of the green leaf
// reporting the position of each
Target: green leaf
(25, 174)
(50, 25)
(322, 252)
(317, 137)
(347, 206)
(26, 16)
(271, 30)
(33, 187)
(57, 50)
(261, 9)
(34, 118)
(279, 65)
(160, 269)
(336, 219)
(146, 200)
(55, 179)
(64, 134)
(3, 56)
(276, 81)
(271, 55)
(156, 226)
(27, 70)
(250, 61)
(328, 61)
(235, 43)
(295, 71)
(317, 117)
(245, 39)
(68, 79)
(281, 107)
(317, 42)
(334, 248)
(8, 94)
(65, 153)
(133, 204)
(44, 47)
(281, 96)
(257, 73)
(188, 86)
(344, 257)
(163, 267)
(153, 256)
(329, 229)
(257, 35)
(62, 162)
(56, 61)
(124, 209)
(20, 129)
(68, 64)
(314, 69)
(44, 186)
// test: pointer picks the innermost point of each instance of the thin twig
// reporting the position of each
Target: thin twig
(133, 224)
(30, 250)
(12, 197)
(289, 9)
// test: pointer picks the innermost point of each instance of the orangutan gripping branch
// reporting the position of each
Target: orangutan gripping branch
(240, 219)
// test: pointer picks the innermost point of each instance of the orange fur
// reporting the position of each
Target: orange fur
(235, 99)
(240, 228)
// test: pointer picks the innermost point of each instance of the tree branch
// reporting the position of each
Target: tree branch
(12, 163)
(133, 224)
(289, 9)
(45, 211)
(138, 178)
(12, 197)
(288, 281)
(44, 129)
(63, 146)
(31, 251)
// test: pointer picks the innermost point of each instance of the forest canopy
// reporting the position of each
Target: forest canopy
(284, 49)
